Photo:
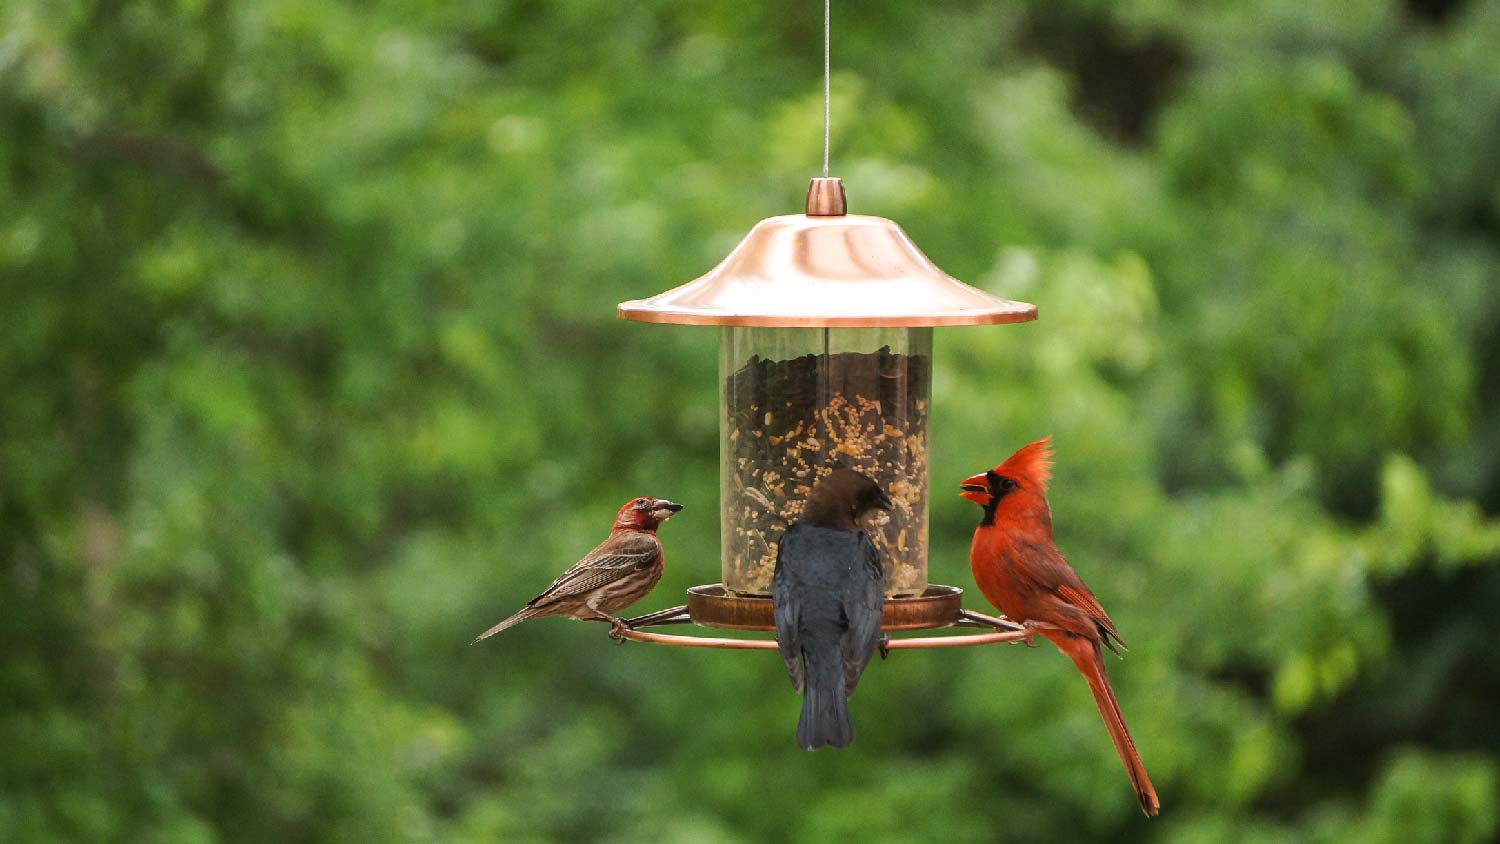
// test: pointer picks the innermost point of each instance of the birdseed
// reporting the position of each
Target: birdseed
(791, 422)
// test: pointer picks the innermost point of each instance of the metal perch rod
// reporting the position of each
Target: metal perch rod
(1006, 631)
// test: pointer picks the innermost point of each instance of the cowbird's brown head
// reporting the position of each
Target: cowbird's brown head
(645, 513)
(839, 500)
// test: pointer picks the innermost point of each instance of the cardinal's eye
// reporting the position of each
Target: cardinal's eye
(1005, 484)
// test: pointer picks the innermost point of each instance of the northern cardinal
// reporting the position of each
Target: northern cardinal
(828, 593)
(1021, 572)
(617, 573)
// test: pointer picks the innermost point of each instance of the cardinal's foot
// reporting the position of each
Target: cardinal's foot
(1031, 630)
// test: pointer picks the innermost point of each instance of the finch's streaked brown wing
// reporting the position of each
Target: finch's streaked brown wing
(623, 553)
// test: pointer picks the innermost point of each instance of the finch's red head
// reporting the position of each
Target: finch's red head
(1025, 472)
(645, 513)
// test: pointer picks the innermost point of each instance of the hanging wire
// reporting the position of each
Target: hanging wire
(826, 15)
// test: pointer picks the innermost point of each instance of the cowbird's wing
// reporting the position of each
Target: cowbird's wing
(784, 600)
(862, 607)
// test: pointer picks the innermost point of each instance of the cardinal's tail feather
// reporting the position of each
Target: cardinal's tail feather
(1090, 661)
(825, 710)
(519, 617)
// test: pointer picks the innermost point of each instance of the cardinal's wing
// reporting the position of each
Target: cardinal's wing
(1048, 570)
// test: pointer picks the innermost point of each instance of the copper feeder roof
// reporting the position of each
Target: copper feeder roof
(828, 269)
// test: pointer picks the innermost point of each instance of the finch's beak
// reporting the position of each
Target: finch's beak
(664, 509)
(976, 489)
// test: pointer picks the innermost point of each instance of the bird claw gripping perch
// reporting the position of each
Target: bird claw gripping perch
(885, 647)
(1030, 640)
(1032, 627)
(618, 628)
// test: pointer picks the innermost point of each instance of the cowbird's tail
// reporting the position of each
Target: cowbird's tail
(825, 710)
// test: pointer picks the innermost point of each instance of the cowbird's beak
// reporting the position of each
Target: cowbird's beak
(884, 501)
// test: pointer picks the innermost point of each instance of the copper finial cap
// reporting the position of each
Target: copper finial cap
(825, 198)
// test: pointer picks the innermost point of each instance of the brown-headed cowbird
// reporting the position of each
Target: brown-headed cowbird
(828, 595)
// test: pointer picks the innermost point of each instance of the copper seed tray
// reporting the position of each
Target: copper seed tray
(712, 606)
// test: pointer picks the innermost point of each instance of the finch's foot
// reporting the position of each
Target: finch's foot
(885, 647)
(617, 630)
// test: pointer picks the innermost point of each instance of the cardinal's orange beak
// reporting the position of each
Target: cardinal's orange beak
(976, 489)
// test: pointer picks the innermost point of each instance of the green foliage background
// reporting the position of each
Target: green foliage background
(309, 372)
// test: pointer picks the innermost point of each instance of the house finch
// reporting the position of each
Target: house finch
(1021, 572)
(828, 594)
(616, 574)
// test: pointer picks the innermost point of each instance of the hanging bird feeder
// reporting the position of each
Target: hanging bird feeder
(825, 361)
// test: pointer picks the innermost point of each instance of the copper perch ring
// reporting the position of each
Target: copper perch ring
(711, 606)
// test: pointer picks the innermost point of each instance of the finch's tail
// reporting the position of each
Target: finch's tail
(519, 617)
(1087, 656)
(825, 710)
